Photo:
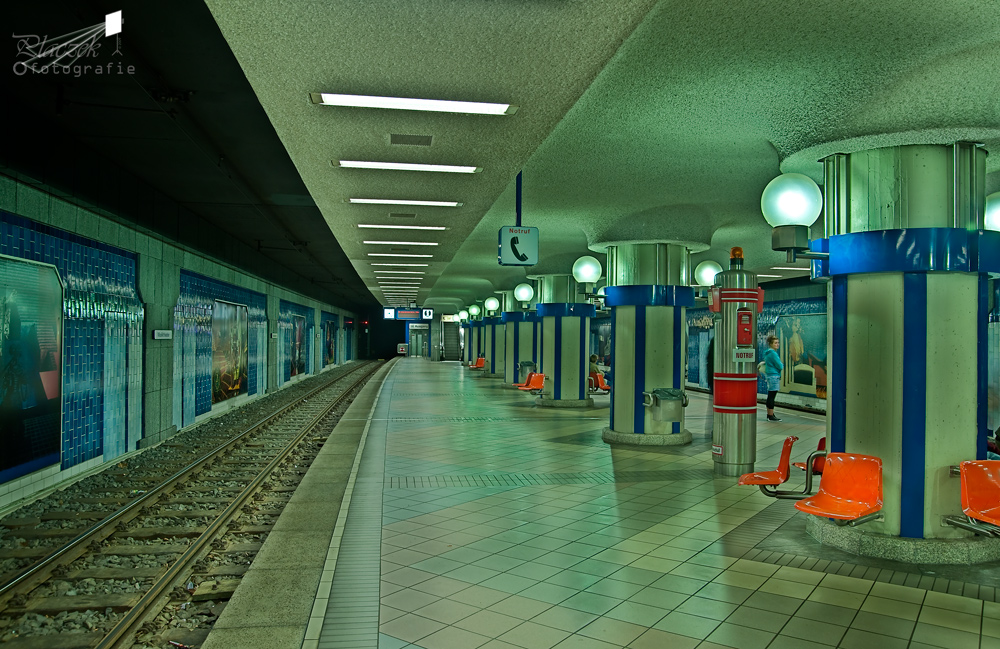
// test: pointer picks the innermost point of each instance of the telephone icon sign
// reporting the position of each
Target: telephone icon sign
(517, 246)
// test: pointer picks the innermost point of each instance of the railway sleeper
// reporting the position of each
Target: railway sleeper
(118, 602)
(54, 641)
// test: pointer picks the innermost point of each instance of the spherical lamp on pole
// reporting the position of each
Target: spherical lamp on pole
(992, 217)
(586, 271)
(474, 310)
(523, 294)
(790, 204)
(492, 304)
(705, 272)
(463, 315)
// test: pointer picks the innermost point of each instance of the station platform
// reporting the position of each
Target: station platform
(472, 519)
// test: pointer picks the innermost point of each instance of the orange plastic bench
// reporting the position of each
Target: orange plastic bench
(536, 383)
(850, 491)
(479, 364)
(596, 382)
(527, 380)
(980, 497)
(767, 480)
(818, 460)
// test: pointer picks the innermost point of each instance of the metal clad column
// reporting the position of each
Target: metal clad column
(519, 343)
(565, 354)
(908, 258)
(648, 297)
(495, 344)
(649, 353)
(467, 349)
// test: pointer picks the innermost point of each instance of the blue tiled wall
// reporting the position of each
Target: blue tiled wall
(193, 342)
(286, 311)
(328, 320)
(102, 336)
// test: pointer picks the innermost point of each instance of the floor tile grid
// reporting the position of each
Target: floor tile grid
(751, 607)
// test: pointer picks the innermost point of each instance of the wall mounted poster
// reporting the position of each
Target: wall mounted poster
(297, 357)
(803, 352)
(30, 367)
(330, 344)
(230, 352)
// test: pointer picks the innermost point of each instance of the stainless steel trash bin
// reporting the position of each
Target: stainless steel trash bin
(665, 403)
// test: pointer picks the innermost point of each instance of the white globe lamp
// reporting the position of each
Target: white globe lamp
(992, 217)
(492, 304)
(791, 199)
(706, 271)
(474, 310)
(463, 315)
(586, 270)
(524, 292)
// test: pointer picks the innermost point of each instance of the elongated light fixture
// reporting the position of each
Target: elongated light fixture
(407, 166)
(374, 264)
(407, 103)
(393, 254)
(394, 201)
(402, 243)
(403, 227)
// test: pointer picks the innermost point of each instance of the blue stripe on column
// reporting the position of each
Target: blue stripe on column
(584, 370)
(678, 353)
(516, 353)
(614, 355)
(493, 349)
(557, 361)
(536, 350)
(838, 380)
(982, 363)
(639, 414)
(911, 486)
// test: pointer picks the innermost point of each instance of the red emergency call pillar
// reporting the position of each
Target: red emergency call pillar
(736, 298)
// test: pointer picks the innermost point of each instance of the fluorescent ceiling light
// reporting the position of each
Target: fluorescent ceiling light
(393, 254)
(404, 227)
(769, 275)
(393, 201)
(798, 268)
(408, 166)
(374, 264)
(400, 272)
(406, 103)
(401, 243)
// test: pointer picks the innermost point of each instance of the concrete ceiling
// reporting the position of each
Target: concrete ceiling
(637, 120)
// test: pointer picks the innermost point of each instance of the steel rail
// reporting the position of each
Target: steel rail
(75, 548)
(132, 620)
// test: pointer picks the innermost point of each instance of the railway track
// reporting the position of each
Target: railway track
(150, 562)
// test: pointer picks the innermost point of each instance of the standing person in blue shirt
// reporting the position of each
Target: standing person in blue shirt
(772, 374)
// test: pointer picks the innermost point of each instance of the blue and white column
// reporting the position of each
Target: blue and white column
(565, 354)
(648, 295)
(494, 343)
(522, 335)
(908, 305)
(468, 350)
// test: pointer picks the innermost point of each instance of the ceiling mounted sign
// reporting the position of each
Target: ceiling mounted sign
(518, 246)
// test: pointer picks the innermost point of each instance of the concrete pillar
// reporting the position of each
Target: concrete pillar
(273, 312)
(648, 295)
(159, 289)
(522, 340)
(494, 344)
(908, 314)
(467, 347)
(565, 329)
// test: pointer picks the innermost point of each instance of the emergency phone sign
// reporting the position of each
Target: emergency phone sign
(517, 245)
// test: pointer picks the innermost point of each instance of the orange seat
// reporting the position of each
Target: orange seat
(775, 477)
(818, 462)
(479, 364)
(851, 488)
(597, 382)
(981, 490)
(537, 382)
(527, 380)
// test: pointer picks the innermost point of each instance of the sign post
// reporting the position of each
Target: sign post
(517, 245)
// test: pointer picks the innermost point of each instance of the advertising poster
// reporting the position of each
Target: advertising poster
(30, 367)
(297, 357)
(803, 352)
(230, 352)
(330, 344)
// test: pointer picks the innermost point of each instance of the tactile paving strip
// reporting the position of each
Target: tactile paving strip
(528, 479)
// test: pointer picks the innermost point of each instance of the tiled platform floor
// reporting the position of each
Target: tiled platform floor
(509, 526)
